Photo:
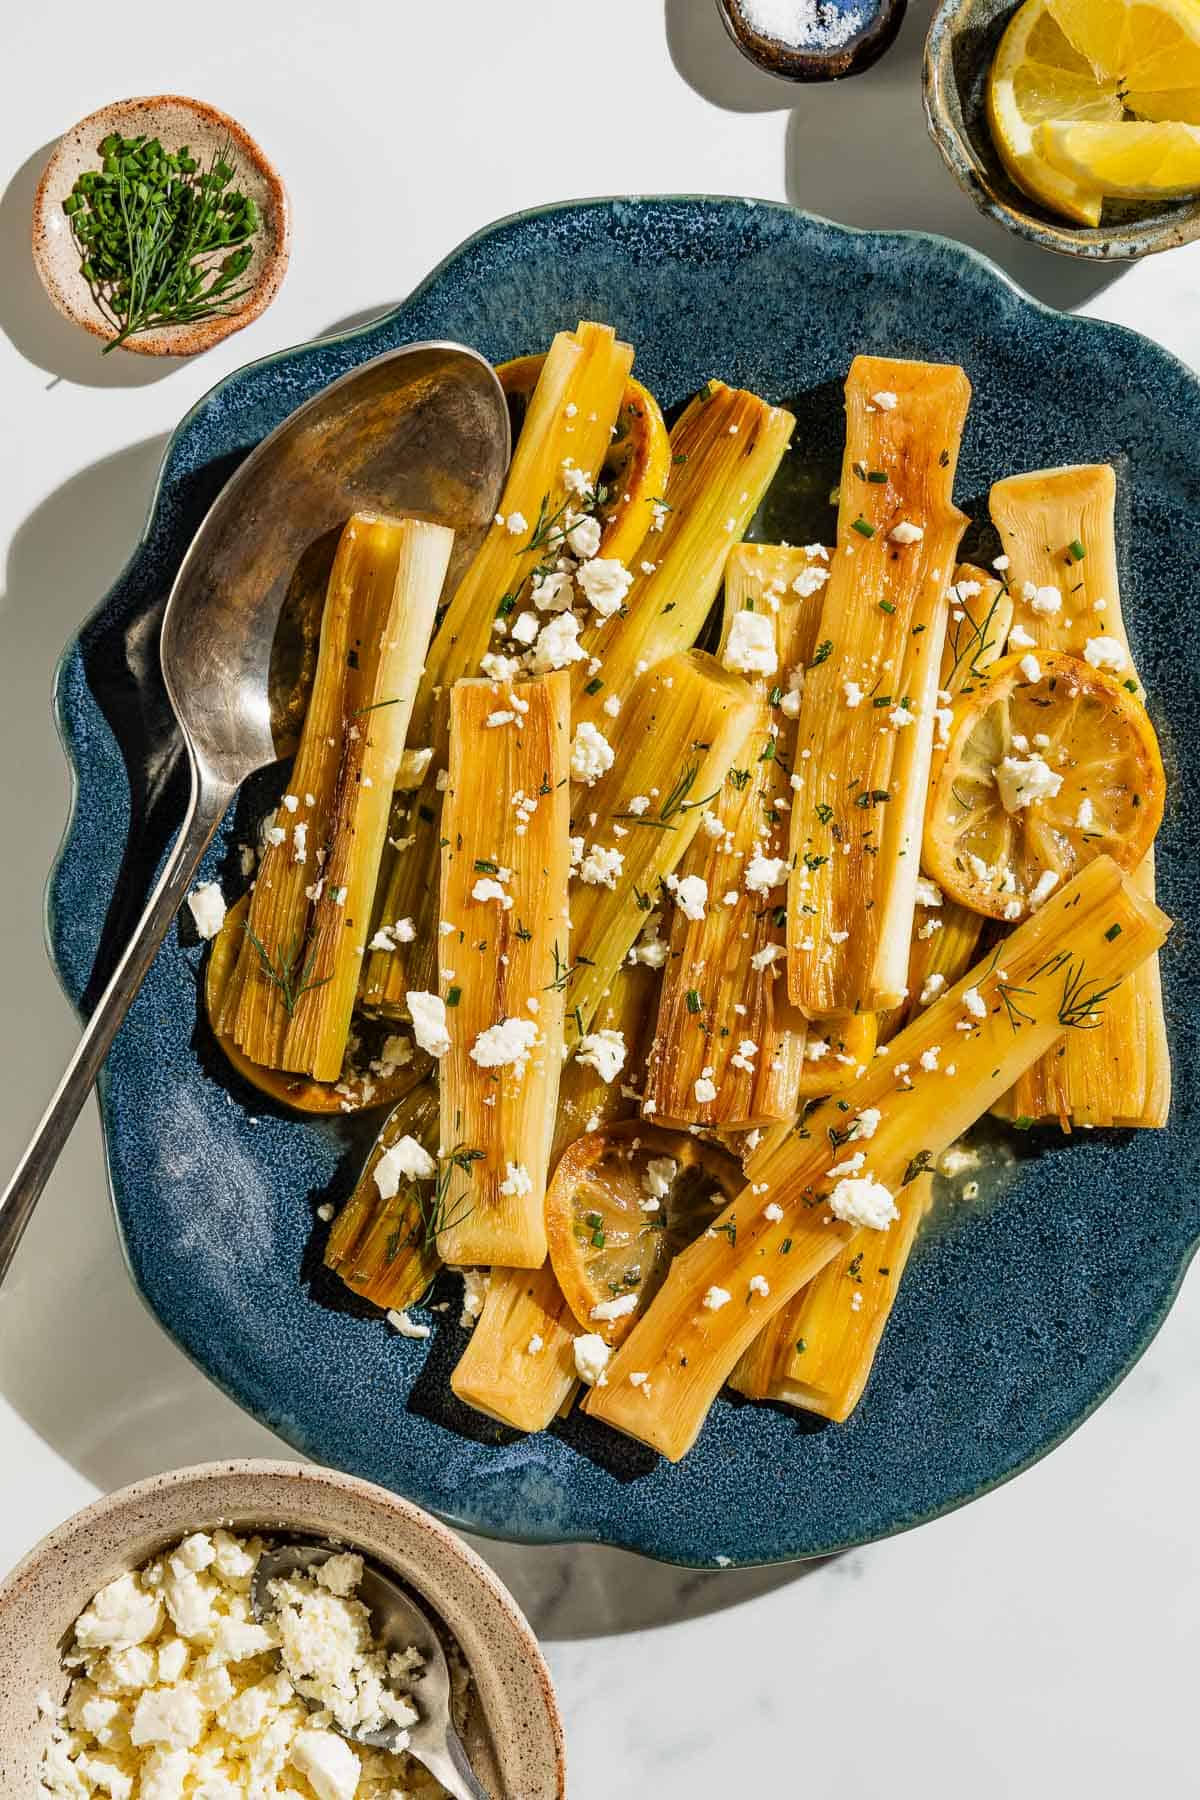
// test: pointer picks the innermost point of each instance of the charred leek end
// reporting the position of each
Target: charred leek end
(378, 1073)
(812, 1192)
(504, 897)
(519, 1366)
(981, 614)
(586, 1100)
(836, 1052)
(571, 415)
(680, 730)
(290, 1000)
(1058, 530)
(725, 450)
(867, 711)
(382, 1244)
(818, 1350)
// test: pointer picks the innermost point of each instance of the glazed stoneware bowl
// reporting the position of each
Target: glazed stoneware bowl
(176, 120)
(512, 1731)
(958, 53)
(857, 35)
(1017, 1313)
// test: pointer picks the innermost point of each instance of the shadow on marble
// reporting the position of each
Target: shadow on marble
(31, 323)
(573, 1591)
(858, 152)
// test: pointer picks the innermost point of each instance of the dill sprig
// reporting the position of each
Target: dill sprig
(281, 970)
(439, 1213)
(162, 240)
(1081, 1005)
(968, 638)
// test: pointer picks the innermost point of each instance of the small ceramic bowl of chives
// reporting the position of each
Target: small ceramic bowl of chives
(253, 226)
(812, 40)
(962, 41)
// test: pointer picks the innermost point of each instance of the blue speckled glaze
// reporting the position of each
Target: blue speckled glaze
(1014, 1321)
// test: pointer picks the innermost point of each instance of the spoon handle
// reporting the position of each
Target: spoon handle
(205, 810)
(450, 1766)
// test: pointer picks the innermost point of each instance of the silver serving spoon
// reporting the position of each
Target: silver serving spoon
(421, 430)
(397, 1622)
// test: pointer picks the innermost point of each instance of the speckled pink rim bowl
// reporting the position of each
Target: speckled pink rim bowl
(513, 1731)
(176, 120)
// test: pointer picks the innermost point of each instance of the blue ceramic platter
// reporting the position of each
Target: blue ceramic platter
(1017, 1317)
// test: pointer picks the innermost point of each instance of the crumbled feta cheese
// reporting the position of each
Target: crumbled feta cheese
(326, 1760)
(1042, 888)
(516, 523)
(974, 1003)
(476, 1283)
(1047, 600)
(1021, 780)
(815, 1049)
(885, 400)
(535, 1344)
(660, 1172)
(557, 644)
(206, 904)
(591, 754)
(605, 583)
(618, 1308)
(861, 1200)
(764, 873)
(603, 1051)
(751, 645)
(853, 693)
(691, 895)
(758, 1284)
(929, 1058)
(762, 959)
(904, 532)
(1020, 639)
(583, 539)
(928, 892)
(900, 716)
(1085, 818)
(407, 1328)
(428, 1015)
(591, 1359)
(933, 985)
(406, 1160)
(601, 867)
(487, 889)
(1030, 667)
(1105, 653)
(506, 1044)
(866, 1124)
(716, 1298)
(704, 1089)
(810, 581)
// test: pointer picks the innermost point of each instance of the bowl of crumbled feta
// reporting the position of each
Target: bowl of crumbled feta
(133, 1665)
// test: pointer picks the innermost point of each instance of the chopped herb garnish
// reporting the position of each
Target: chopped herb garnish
(694, 1002)
(453, 996)
(864, 528)
(594, 685)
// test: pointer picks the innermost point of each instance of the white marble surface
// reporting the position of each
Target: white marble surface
(1045, 1639)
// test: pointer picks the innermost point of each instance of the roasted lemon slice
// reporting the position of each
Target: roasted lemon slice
(1036, 75)
(1129, 161)
(1039, 776)
(622, 1203)
(635, 469)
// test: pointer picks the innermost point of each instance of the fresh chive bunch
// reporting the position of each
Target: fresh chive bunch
(162, 240)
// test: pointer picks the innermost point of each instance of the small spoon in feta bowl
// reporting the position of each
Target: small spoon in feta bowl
(399, 1627)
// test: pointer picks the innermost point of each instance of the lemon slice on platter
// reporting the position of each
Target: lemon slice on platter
(1039, 777)
(622, 1204)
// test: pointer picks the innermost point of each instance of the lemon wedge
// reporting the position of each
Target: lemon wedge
(1037, 75)
(1129, 161)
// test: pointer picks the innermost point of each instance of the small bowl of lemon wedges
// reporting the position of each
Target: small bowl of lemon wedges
(1075, 123)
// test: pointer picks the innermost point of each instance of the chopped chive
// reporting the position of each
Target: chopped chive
(886, 606)
(454, 996)
(594, 685)
(1076, 551)
(694, 1002)
(863, 528)
(1114, 931)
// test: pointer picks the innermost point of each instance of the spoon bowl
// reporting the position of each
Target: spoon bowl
(397, 1624)
(421, 431)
